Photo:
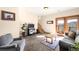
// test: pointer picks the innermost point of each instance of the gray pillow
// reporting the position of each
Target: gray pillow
(72, 35)
(5, 39)
(77, 39)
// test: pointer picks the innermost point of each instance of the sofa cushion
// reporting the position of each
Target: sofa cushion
(68, 40)
(6, 39)
(72, 34)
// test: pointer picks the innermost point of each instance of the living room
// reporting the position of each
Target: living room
(34, 15)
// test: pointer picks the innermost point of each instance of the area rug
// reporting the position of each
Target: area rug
(53, 45)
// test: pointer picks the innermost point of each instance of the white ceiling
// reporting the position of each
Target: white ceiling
(51, 10)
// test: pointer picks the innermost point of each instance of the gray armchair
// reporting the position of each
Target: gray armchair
(7, 43)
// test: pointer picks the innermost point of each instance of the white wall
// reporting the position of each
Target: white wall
(27, 17)
(52, 27)
(9, 26)
(22, 16)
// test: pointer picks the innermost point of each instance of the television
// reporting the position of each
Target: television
(30, 25)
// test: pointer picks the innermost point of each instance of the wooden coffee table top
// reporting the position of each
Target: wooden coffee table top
(48, 36)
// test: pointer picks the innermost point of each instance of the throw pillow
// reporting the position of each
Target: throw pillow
(77, 39)
(6, 39)
(72, 34)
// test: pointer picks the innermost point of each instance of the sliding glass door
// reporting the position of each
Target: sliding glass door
(72, 24)
(66, 24)
(60, 26)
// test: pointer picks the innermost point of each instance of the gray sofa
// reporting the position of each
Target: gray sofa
(7, 43)
(67, 43)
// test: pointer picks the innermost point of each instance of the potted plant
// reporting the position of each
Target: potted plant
(24, 27)
(76, 47)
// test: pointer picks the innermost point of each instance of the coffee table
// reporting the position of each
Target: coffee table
(53, 44)
(49, 38)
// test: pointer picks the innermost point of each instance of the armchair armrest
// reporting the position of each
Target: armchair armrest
(9, 46)
(20, 44)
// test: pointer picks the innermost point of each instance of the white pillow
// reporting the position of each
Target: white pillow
(77, 39)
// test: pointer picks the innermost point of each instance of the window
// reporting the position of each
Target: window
(72, 24)
(60, 25)
(66, 24)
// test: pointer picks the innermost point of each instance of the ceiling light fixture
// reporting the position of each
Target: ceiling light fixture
(45, 8)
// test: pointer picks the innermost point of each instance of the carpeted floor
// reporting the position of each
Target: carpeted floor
(33, 43)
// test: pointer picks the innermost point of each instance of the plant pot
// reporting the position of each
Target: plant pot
(23, 34)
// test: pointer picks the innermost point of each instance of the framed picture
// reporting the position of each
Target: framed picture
(5, 15)
(49, 22)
